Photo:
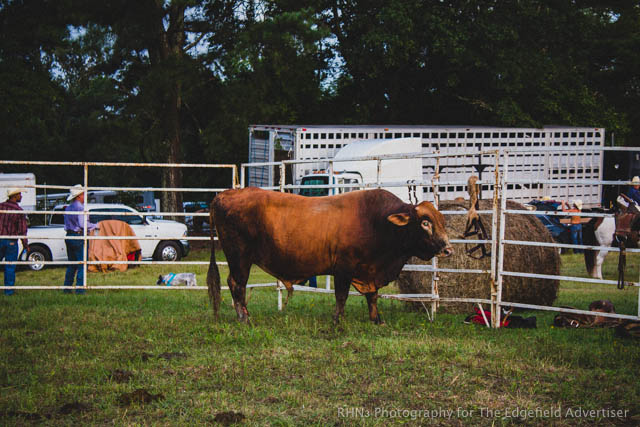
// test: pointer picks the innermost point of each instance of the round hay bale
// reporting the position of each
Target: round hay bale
(518, 258)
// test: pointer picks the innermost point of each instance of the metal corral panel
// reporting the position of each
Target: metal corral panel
(315, 142)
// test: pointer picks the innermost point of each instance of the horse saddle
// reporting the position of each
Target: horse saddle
(626, 236)
(627, 229)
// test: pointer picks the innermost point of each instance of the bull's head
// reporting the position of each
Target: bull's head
(426, 230)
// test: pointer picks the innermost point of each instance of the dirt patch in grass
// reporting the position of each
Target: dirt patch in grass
(166, 356)
(229, 417)
(66, 409)
(121, 376)
(28, 416)
(72, 407)
(173, 355)
(140, 396)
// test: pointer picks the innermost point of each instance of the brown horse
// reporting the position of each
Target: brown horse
(619, 231)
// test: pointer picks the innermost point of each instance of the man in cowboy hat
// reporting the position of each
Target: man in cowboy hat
(74, 227)
(576, 224)
(634, 191)
(12, 224)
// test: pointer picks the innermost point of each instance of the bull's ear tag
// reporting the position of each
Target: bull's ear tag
(399, 219)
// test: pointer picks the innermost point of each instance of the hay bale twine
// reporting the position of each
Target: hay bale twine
(525, 259)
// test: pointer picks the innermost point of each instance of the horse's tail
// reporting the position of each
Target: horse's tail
(213, 275)
(589, 238)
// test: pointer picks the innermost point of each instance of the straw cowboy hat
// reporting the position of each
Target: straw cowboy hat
(577, 203)
(75, 191)
(13, 191)
(635, 180)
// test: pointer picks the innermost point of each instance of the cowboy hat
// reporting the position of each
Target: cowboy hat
(74, 192)
(577, 203)
(635, 180)
(13, 191)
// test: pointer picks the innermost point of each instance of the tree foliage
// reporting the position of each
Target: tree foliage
(180, 80)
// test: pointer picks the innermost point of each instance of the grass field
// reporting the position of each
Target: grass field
(129, 357)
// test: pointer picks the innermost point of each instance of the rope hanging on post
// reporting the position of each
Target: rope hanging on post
(622, 262)
(413, 198)
(474, 226)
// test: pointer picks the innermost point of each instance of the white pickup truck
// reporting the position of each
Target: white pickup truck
(169, 245)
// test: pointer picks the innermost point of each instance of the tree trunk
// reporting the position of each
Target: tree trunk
(170, 53)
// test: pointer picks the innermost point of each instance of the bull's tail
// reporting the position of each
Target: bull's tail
(590, 255)
(213, 275)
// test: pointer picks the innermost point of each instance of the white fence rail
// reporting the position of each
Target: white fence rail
(497, 186)
(86, 188)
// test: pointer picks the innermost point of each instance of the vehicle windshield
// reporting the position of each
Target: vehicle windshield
(107, 213)
(114, 213)
(314, 180)
(57, 219)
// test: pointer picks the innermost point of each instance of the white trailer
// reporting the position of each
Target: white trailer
(534, 154)
(26, 182)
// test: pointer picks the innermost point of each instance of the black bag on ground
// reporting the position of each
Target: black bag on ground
(578, 320)
(628, 329)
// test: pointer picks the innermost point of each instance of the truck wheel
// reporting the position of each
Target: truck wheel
(168, 251)
(38, 253)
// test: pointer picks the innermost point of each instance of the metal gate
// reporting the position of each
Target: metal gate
(499, 184)
(87, 167)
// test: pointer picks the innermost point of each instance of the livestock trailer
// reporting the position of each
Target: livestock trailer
(26, 182)
(547, 153)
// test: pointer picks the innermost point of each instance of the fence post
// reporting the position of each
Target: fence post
(282, 177)
(234, 177)
(85, 246)
(494, 233)
(503, 226)
(330, 178)
(434, 260)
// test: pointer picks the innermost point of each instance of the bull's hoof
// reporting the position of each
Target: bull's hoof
(336, 320)
(242, 312)
(244, 319)
(378, 321)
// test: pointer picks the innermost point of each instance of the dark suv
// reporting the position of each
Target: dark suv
(559, 231)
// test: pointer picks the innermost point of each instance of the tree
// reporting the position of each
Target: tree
(486, 62)
(150, 62)
(31, 101)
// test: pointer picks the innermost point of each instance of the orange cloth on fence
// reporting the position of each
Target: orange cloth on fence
(112, 249)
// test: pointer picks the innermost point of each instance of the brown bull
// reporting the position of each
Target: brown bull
(362, 238)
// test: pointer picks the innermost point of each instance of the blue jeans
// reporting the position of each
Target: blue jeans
(75, 252)
(576, 236)
(9, 251)
(313, 283)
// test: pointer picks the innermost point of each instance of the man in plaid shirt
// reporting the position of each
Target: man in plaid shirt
(11, 224)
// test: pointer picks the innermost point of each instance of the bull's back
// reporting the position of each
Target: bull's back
(286, 218)
(291, 234)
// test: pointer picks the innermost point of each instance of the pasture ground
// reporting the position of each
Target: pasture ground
(129, 357)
